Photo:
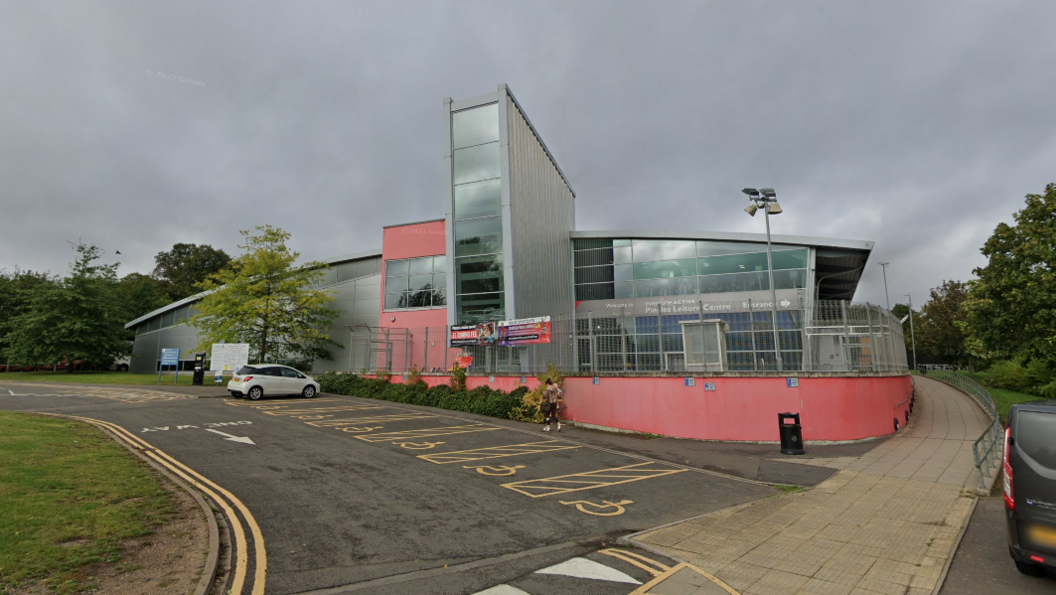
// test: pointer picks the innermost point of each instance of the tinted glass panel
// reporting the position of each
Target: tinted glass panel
(593, 274)
(477, 163)
(596, 291)
(623, 290)
(440, 264)
(439, 280)
(479, 274)
(480, 199)
(475, 126)
(479, 236)
(419, 299)
(440, 297)
(420, 266)
(665, 269)
(791, 279)
(719, 248)
(790, 259)
(392, 300)
(739, 263)
(621, 255)
(396, 267)
(395, 283)
(420, 282)
(741, 282)
(648, 250)
(1034, 436)
(665, 287)
(246, 370)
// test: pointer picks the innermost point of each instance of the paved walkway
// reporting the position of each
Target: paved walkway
(886, 523)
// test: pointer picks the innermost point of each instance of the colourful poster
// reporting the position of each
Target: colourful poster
(526, 331)
(467, 334)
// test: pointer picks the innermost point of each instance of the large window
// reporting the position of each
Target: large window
(613, 269)
(416, 283)
(477, 215)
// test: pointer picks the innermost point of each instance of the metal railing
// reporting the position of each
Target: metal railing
(985, 448)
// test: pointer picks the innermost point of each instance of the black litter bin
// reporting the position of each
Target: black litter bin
(791, 433)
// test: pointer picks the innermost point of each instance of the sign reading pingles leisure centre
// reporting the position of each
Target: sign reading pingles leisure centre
(526, 331)
(705, 304)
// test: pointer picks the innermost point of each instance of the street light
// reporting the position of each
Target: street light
(766, 199)
(884, 264)
(912, 337)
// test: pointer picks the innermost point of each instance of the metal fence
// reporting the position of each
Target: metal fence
(985, 448)
(833, 337)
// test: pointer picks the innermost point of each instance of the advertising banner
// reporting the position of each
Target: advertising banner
(473, 334)
(526, 331)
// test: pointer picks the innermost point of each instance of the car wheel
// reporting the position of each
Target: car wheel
(308, 392)
(1030, 569)
(122, 368)
(255, 393)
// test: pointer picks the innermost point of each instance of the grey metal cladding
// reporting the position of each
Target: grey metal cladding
(542, 213)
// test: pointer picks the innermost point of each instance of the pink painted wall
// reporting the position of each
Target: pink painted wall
(836, 408)
(411, 241)
(745, 409)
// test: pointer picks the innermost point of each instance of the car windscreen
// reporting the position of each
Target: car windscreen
(1034, 436)
(246, 370)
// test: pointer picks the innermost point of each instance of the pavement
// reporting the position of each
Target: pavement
(887, 522)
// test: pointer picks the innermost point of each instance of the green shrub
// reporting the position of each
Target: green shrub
(1040, 374)
(481, 400)
(1008, 375)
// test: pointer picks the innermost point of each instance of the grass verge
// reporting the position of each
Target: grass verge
(184, 379)
(69, 495)
(1004, 399)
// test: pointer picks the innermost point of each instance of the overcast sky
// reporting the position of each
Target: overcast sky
(134, 126)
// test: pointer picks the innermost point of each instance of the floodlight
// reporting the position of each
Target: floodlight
(774, 208)
(768, 192)
(752, 192)
(751, 209)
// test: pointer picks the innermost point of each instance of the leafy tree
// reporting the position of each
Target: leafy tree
(75, 318)
(1011, 307)
(265, 300)
(939, 329)
(185, 266)
(15, 292)
(900, 311)
(140, 294)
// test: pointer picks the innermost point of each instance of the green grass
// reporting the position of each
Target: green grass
(1004, 399)
(68, 497)
(787, 488)
(106, 378)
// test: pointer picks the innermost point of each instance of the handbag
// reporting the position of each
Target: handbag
(545, 407)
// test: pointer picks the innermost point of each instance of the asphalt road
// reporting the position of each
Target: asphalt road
(358, 495)
(982, 566)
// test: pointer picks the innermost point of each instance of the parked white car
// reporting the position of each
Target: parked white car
(258, 380)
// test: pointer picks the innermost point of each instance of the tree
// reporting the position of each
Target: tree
(265, 300)
(901, 311)
(185, 266)
(1011, 307)
(140, 294)
(15, 292)
(939, 329)
(75, 318)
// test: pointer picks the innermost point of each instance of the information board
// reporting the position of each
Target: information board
(526, 331)
(229, 357)
(170, 356)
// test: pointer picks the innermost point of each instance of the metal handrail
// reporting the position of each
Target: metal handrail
(984, 449)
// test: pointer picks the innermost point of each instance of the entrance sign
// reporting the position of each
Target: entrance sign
(526, 331)
(170, 356)
(706, 304)
(228, 357)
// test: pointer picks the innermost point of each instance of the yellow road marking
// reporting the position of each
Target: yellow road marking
(589, 507)
(259, 404)
(426, 433)
(501, 471)
(418, 445)
(360, 429)
(204, 484)
(315, 410)
(577, 482)
(330, 423)
(651, 566)
(495, 452)
(644, 589)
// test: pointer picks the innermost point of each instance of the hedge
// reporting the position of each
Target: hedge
(482, 400)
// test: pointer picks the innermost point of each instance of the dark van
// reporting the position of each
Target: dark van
(1030, 486)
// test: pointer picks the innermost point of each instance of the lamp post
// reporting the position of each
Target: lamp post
(766, 199)
(912, 336)
(886, 296)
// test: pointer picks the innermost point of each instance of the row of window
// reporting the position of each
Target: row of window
(589, 252)
(788, 279)
(654, 362)
(416, 283)
(757, 341)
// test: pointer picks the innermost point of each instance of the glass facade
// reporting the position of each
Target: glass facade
(416, 283)
(612, 269)
(477, 215)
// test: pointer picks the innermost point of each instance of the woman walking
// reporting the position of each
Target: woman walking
(551, 403)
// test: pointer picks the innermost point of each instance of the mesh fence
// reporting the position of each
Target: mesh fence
(832, 337)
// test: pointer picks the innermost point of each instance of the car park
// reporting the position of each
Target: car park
(256, 380)
(1030, 486)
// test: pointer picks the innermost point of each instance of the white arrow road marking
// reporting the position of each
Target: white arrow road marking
(502, 590)
(11, 392)
(242, 439)
(584, 568)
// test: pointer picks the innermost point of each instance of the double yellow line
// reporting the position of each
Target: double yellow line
(219, 495)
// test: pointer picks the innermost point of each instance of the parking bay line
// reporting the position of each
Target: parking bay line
(370, 419)
(426, 433)
(578, 482)
(495, 452)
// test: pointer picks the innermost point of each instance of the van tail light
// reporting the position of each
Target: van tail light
(1010, 502)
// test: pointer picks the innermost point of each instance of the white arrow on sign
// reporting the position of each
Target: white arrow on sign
(242, 439)
(785, 303)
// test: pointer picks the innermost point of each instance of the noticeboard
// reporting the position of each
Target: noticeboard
(229, 357)
(170, 356)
